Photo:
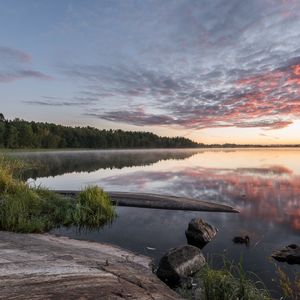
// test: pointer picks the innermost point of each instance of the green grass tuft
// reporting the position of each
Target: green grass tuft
(230, 282)
(10, 164)
(27, 209)
(93, 207)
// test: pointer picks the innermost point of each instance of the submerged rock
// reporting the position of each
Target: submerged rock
(241, 240)
(179, 263)
(289, 254)
(199, 233)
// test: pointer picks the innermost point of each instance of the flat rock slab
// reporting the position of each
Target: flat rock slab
(147, 200)
(42, 266)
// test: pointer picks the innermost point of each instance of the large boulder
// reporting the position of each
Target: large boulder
(180, 263)
(199, 233)
(289, 254)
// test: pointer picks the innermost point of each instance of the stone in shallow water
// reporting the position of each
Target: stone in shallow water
(199, 233)
(289, 254)
(179, 263)
(242, 240)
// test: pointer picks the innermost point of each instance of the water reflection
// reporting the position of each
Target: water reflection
(260, 194)
(53, 163)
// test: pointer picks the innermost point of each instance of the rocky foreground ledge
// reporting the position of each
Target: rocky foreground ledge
(35, 266)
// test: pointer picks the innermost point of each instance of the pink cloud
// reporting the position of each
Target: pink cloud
(15, 54)
(12, 63)
(23, 74)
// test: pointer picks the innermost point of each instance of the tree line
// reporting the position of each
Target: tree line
(18, 134)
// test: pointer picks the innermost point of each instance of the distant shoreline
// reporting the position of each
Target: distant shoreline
(4, 150)
(24, 135)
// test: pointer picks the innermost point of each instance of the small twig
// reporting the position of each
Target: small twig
(258, 241)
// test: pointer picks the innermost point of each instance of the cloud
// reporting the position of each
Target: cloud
(22, 74)
(13, 66)
(58, 101)
(7, 53)
(267, 100)
(266, 124)
(193, 64)
(269, 136)
(138, 118)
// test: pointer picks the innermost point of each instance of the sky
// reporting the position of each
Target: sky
(214, 71)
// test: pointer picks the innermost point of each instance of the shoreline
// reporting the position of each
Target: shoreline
(215, 147)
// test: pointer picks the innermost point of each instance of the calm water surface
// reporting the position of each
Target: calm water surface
(264, 184)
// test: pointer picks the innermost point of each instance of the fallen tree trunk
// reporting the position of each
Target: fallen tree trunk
(145, 200)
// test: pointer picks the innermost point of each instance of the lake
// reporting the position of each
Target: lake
(264, 184)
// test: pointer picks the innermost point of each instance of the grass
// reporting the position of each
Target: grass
(26, 209)
(93, 208)
(10, 165)
(290, 288)
(230, 282)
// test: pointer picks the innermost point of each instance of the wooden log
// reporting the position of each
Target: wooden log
(147, 200)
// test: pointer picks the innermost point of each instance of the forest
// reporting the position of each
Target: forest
(21, 134)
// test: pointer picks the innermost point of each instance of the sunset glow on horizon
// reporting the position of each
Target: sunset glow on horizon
(214, 71)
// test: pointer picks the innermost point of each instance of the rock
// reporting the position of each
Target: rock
(199, 233)
(42, 266)
(241, 240)
(289, 254)
(179, 263)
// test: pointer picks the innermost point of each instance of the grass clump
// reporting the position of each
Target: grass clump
(93, 207)
(27, 209)
(8, 168)
(230, 282)
(290, 288)
(11, 165)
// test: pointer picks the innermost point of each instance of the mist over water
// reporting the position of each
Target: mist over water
(264, 184)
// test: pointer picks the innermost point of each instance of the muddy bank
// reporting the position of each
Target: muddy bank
(47, 267)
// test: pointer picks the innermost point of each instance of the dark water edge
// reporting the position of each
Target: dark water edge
(136, 229)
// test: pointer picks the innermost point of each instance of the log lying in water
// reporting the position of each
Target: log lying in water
(145, 200)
